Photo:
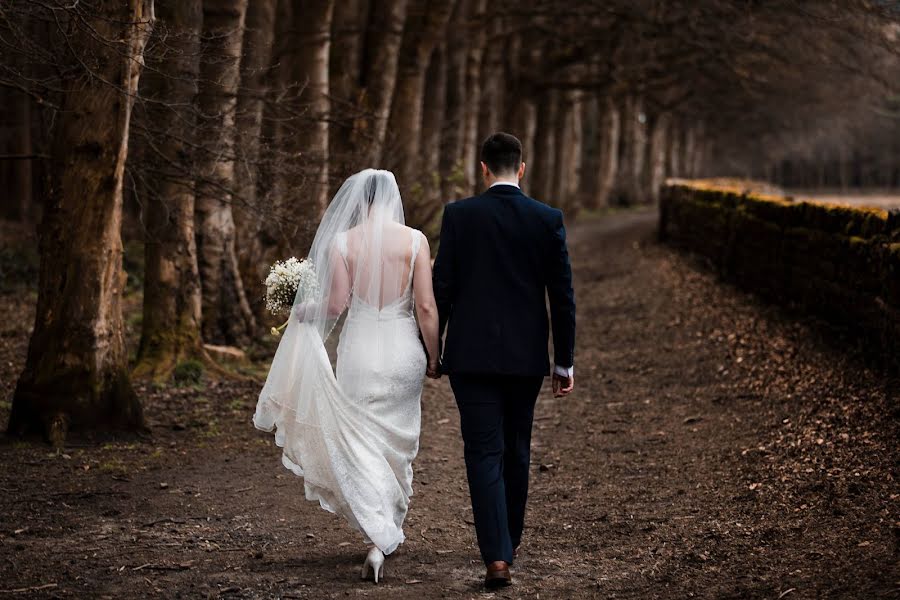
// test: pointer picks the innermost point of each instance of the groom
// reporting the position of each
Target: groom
(502, 254)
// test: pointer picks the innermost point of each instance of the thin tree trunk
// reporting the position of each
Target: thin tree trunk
(451, 165)
(425, 24)
(385, 35)
(690, 150)
(634, 153)
(432, 127)
(16, 172)
(227, 318)
(476, 48)
(675, 150)
(492, 84)
(569, 139)
(519, 116)
(254, 88)
(545, 164)
(170, 329)
(17, 179)
(76, 372)
(657, 155)
(608, 152)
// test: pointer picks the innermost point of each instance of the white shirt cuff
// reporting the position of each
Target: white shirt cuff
(564, 371)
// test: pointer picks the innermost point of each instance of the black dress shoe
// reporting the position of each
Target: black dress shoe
(497, 575)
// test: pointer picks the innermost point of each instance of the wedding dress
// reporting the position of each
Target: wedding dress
(352, 433)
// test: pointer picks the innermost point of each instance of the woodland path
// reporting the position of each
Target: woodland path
(715, 447)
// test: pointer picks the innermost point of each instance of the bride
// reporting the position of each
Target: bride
(352, 433)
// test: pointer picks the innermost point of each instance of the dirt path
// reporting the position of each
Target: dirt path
(715, 448)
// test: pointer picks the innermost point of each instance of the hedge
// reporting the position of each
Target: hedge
(841, 263)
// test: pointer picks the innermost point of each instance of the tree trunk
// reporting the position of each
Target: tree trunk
(17, 172)
(568, 136)
(474, 58)
(657, 155)
(425, 24)
(609, 130)
(634, 153)
(305, 196)
(383, 40)
(492, 85)
(519, 116)
(76, 372)
(451, 161)
(675, 150)
(227, 318)
(432, 128)
(545, 164)
(254, 88)
(345, 76)
(170, 330)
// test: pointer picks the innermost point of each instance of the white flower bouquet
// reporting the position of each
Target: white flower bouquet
(287, 280)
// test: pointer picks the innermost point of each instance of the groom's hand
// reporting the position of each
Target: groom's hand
(562, 385)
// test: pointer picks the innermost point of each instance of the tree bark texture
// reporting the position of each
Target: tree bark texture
(657, 155)
(475, 55)
(545, 163)
(227, 318)
(609, 132)
(305, 65)
(345, 75)
(170, 329)
(248, 208)
(432, 130)
(451, 161)
(383, 39)
(425, 23)
(76, 371)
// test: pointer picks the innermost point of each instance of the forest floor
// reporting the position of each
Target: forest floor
(715, 447)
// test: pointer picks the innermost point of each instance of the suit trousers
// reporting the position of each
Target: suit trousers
(496, 414)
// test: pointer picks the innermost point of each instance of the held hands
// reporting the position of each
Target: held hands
(433, 371)
(562, 385)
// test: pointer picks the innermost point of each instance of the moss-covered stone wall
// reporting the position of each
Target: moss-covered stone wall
(838, 262)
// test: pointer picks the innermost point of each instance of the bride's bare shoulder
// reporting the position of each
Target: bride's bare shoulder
(408, 229)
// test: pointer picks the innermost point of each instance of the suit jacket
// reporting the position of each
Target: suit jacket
(502, 255)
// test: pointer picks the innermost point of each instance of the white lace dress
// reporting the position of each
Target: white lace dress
(353, 437)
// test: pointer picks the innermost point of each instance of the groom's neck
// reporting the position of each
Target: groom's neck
(491, 179)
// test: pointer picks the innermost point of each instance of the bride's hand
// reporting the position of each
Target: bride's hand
(434, 370)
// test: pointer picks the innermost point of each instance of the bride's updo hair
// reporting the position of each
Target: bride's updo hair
(379, 185)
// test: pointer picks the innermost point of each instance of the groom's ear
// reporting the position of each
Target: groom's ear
(484, 170)
(521, 170)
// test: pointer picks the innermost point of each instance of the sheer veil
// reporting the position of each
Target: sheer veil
(354, 255)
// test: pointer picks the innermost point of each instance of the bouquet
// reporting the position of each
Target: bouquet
(287, 280)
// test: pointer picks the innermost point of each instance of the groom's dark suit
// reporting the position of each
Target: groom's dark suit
(502, 255)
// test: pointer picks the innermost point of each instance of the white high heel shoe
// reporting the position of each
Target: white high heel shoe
(375, 562)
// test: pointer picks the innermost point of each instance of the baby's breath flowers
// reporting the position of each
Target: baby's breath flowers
(285, 278)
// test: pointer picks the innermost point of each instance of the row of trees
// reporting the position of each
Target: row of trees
(223, 126)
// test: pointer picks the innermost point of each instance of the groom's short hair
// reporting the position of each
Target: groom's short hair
(502, 153)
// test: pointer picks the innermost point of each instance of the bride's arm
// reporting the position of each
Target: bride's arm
(338, 294)
(426, 307)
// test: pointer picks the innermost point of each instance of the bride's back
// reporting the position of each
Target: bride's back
(380, 278)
